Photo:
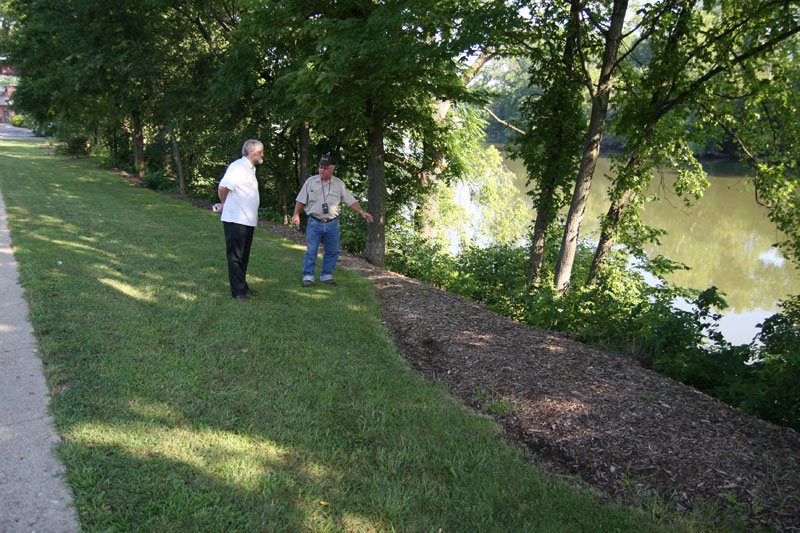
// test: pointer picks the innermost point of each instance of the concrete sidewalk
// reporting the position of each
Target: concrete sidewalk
(7, 131)
(33, 494)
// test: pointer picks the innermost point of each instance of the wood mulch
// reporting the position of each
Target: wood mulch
(587, 414)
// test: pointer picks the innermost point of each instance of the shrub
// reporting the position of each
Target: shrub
(495, 276)
(352, 231)
(72, 142)
(411, 255)
(160, 180)
(266, 213)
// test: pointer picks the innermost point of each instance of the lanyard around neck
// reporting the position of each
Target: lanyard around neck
(325, 194)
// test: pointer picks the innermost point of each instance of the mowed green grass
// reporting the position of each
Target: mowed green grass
(180, 409)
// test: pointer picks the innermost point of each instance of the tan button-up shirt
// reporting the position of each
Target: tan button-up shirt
(314, 193)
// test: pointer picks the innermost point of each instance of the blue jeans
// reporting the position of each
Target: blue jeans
(328, 234)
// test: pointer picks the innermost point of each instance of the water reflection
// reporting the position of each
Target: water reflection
(726, 239)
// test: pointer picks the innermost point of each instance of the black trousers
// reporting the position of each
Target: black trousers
(238, 239)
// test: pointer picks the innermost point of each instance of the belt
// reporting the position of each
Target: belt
(324, 221)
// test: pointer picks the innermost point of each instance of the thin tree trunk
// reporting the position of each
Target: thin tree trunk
(138, 144)
(375, 250)
(658, 104)
(429, 206)
(546, 208)
(591, 151)
(304, 149)
(544, 217)
(282, 179)
(607, 237)
(178, 166)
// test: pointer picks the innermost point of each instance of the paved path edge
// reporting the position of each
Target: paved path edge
(34, 495)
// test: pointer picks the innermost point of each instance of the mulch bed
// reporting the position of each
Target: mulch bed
(585, 413)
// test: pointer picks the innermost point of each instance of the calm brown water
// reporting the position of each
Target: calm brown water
(726, 239)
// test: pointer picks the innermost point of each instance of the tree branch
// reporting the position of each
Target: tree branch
(587, 77)
(748, 154)
(478, 64)
(735, 61)
(503, 122)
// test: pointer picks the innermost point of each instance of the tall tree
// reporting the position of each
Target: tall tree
(375, 70)
(600, 94)
(555, 124)
(85, 64)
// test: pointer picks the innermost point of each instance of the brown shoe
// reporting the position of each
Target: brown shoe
(329, 282)
(241, 298)
(308, 283)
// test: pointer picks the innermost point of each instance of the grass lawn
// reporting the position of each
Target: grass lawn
(180, 409)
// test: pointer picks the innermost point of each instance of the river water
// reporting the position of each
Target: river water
(725, 237)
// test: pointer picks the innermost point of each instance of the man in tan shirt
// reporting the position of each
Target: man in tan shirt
(320, 196)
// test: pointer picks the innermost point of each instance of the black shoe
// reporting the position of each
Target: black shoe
(241, 298)
(308, 283)
(329, 282)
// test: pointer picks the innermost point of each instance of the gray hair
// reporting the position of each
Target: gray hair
(251, 145)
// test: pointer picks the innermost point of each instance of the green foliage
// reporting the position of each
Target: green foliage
(160, 180)
(504, 80)
(499, 218)
(418, 258)
(72, 142)
(352, 231)
(759, 379)
(265, 213)
(17, 120)
(493, 276)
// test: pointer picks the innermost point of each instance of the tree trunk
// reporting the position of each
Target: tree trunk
(375, 250)
(559, 146)
(178, 166)
(607, 237)
(659, 109)
(304, 149)
(138, 144)
(282, 180)
(591, 151)
(429, 206)
(544, 217)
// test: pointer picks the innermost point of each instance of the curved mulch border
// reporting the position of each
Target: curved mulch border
(579, 410)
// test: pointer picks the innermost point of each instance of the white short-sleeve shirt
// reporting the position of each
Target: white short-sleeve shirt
(241, 204)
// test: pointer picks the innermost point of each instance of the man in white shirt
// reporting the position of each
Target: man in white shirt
(238, 192)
